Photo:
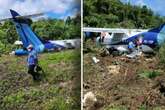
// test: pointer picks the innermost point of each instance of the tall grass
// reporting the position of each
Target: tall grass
(149, 74)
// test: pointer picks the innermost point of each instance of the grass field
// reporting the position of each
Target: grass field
(58, 90)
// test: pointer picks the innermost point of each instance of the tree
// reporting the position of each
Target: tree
(114, 13)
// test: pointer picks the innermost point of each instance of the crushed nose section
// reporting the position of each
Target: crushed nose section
(14, 13)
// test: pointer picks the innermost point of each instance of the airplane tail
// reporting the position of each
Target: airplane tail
(159, 29)
(14, 13)
(160, 33)
(25, 32)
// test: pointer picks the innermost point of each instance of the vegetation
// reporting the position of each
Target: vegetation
(149, 74)
(139, 83)
(59, 90)
(161, 55)
(115, 14)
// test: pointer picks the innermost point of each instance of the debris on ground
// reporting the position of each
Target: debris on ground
(134, 54)
(95, 60)
(89, 99)
(117, 80)
(113, 69)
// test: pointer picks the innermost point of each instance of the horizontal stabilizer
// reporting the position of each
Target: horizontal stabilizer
(16, 15)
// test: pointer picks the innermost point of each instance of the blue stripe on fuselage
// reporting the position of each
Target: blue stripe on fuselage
(49, 46)
(25, 37)
(22, 34)
(149, 38)
(152, 38)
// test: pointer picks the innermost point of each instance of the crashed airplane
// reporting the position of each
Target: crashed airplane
(27, 36)
(118, 39)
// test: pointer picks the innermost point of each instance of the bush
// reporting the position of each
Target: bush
(6, 48)
(58, 103)
(149, 74)
(143, 107)
(161, 55)
(14, 99)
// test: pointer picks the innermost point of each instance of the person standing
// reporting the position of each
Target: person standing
(131, 47)
(32, 61)
(139, 42)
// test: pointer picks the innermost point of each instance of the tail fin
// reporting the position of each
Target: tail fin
(14, 13)
(160, 33)
(26, 34)
(159, 29)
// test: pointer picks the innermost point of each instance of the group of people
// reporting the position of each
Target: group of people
(135, 45)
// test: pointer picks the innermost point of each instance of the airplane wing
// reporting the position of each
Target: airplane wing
(112, 30)
(117, 34)
(70, 43)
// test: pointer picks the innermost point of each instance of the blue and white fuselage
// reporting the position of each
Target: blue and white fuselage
(27, 36)
(119, 40)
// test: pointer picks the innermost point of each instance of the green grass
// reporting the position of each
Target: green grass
(161, 54)
(149, 74)
(143, 107)
(59, 66)
(58, 103)
(29, 97)
(19, 92)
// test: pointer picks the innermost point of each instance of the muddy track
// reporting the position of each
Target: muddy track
(124, 87)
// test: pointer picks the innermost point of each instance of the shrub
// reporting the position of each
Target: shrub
(143, 107)
(149, 74)
(58, 103)
(161, 55)
(14, 98)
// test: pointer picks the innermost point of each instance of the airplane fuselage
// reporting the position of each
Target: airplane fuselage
(51, 46)
(150, 40)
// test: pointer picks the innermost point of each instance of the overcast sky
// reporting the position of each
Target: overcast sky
(158, 6)
(52, 8)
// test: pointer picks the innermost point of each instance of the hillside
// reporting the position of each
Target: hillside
(116, 14)
(58, 90)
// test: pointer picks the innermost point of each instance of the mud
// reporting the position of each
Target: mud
(116, 82)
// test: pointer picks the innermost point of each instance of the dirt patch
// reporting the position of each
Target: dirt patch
(113, 69)
(116, 80)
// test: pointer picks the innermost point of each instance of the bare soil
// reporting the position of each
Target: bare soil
(124, 88)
